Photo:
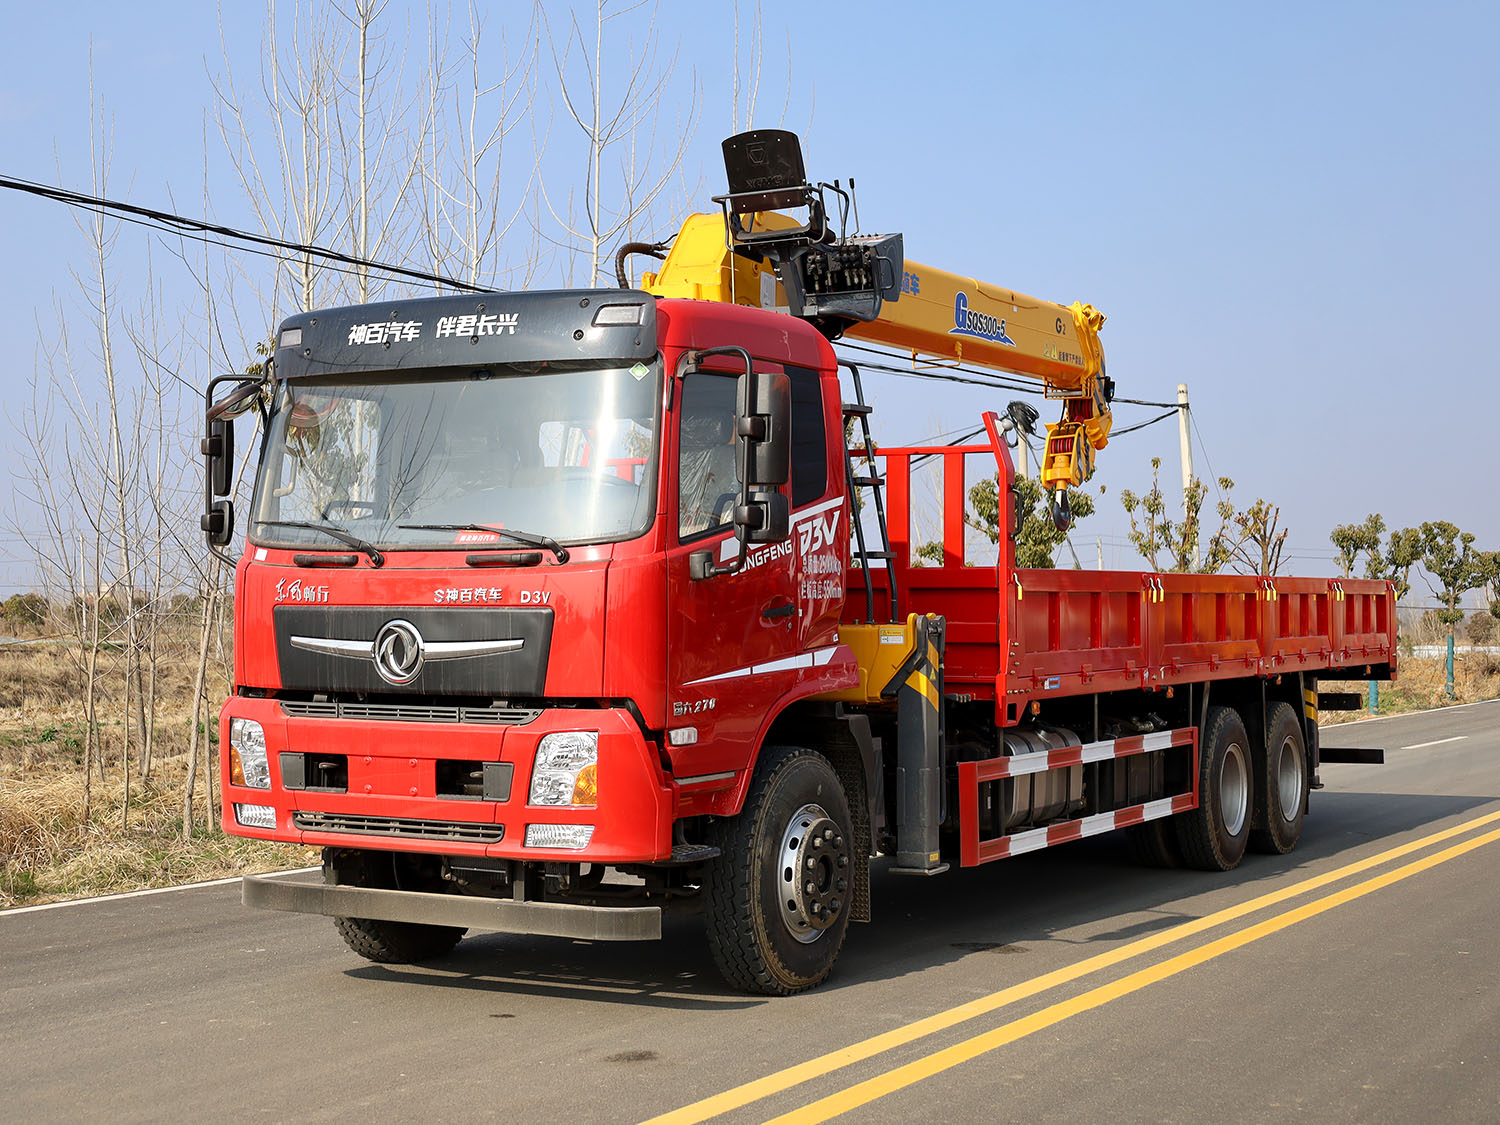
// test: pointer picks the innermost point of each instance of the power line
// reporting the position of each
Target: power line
(1143, 425)
(199, 229)
(958, 373)
(1203, 445)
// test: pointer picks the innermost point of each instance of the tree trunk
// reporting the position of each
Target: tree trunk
(200, 703)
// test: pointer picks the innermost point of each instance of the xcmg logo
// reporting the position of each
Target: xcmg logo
(982, 326)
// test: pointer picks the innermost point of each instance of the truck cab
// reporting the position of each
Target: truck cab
(529, 579)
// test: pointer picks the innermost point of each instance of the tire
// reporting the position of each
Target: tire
(1281, 784)
(388, 943)
(779, 895)
(1214, 835)
(397, 943)
(1154, 844)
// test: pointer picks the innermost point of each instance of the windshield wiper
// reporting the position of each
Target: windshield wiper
(529, 538)
(376, 557)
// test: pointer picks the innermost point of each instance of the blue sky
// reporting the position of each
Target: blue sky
(1290, 207)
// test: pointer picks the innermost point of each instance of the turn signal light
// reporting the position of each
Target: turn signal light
(586, 788)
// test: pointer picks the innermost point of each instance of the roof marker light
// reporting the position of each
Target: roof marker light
(610, 316)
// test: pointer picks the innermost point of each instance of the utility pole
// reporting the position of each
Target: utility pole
(1023, 448)
(1187, 461)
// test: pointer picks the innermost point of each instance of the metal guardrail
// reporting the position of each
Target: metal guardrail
(1437, 652)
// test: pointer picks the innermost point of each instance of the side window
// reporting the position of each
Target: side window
(809, 451)
(707, 484)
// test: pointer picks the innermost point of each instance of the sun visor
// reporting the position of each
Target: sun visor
(558, 326)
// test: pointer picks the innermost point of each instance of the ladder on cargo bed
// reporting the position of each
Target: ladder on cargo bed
(859, 411)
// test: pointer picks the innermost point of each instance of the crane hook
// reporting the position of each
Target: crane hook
(1061, 511)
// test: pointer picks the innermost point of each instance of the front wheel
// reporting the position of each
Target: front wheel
(375, 939)
(778, 895)
(1213, 836)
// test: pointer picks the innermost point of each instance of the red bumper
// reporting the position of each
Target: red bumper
(391, 802)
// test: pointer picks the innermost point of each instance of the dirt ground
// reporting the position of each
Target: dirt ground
(63, 838)
(1421, 684)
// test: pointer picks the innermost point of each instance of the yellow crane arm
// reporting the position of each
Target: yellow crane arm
(939, 315)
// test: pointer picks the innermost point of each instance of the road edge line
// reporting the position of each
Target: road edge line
(1406, 714)
(144, 891)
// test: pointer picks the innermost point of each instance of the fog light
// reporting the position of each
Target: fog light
(572, 836)
(565, 771)
(247, 754)
(255, 816)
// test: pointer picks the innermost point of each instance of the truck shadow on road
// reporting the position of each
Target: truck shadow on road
(1086, 894)
(673, 973)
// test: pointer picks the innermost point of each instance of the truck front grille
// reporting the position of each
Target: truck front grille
(398, 826)
(408, 712)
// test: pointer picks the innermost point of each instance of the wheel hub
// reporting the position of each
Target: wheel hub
(1289, 779)
(1234, 789)
(813, 873)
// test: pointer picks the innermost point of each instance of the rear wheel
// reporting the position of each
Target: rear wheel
(1213, 836)
(390, 943)
(1282, 790)
(778, 895)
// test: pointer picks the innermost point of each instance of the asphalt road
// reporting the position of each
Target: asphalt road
(1356, 980)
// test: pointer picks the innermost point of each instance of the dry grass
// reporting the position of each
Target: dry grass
(48, 849)
(1421, 686)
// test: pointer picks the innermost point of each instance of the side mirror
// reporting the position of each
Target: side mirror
(765, 517)
(218, 452)
(763, 425)
(218, 523)
(217, 447)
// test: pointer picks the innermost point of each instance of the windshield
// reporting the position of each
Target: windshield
(558, 453)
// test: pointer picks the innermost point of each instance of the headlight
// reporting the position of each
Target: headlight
(566, 770)
(247, 754)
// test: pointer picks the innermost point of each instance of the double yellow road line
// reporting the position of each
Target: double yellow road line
(862, 1093)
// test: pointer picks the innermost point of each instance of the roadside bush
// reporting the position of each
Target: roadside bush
(24, 613)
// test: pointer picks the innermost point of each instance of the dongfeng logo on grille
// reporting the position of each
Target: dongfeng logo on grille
(398, 652)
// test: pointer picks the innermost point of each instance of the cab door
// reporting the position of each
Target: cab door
(731, 638)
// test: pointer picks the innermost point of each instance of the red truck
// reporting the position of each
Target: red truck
(558, 611)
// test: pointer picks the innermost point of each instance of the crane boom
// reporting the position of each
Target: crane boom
(862, 287)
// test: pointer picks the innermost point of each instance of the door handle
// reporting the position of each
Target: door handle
(779, 610)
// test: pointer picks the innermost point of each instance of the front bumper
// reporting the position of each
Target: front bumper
(549, 919)
(390, 801)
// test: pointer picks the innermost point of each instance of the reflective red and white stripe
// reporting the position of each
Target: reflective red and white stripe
(970, 774)
(1019, 764)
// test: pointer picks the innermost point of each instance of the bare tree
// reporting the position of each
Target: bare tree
(289, 181)
(468, 216)
(1262, 539)
(631, 152)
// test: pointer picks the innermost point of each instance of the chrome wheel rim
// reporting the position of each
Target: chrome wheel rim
(1289, 778)
(812, 877)
(1234, 789)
